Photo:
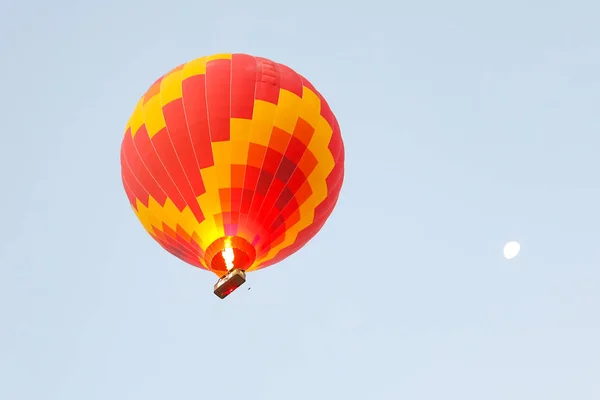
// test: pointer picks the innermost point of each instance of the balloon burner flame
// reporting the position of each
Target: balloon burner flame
(228, 254)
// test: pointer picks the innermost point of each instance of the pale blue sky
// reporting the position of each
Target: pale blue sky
(466, 124)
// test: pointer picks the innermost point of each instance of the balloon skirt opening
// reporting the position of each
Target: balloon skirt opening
(244, 254)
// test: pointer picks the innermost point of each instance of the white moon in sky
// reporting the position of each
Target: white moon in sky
(511, 250)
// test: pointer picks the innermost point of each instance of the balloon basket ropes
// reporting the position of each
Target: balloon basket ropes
(229, 282)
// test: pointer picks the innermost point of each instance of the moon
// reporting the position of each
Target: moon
(511, 250)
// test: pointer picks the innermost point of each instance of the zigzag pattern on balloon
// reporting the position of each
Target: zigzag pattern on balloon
(237, 146)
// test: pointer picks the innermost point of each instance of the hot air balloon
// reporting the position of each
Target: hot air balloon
(232, 163)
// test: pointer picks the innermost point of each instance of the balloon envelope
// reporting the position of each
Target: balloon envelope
(232, 151)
